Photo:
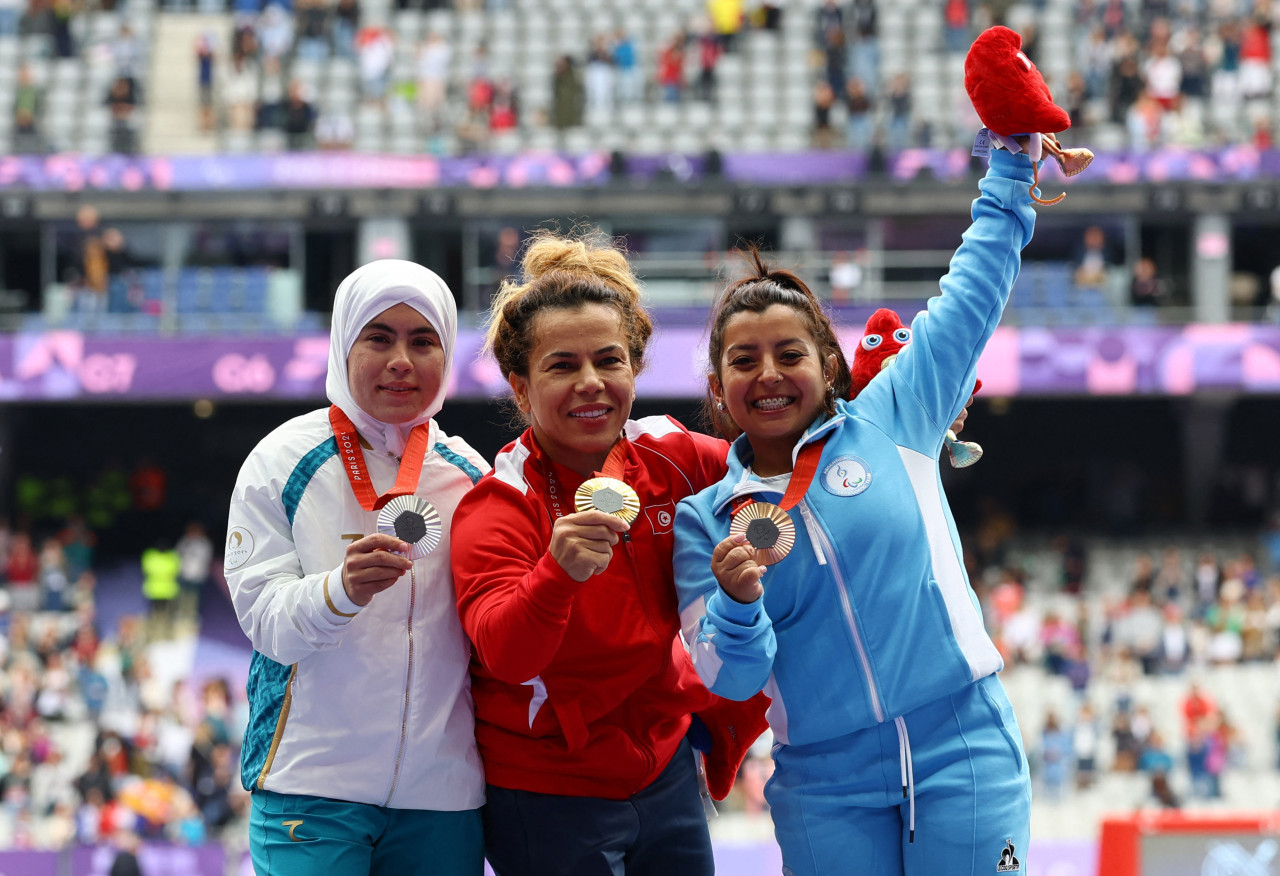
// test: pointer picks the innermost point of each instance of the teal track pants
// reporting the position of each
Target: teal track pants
(291, 835)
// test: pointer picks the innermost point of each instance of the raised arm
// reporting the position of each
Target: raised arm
(939, 366)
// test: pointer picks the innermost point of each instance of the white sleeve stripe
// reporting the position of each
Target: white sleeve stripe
(658, 427)
(509, 467)
(702, 648)
(966, 623)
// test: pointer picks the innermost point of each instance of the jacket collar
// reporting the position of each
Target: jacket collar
(739, 482)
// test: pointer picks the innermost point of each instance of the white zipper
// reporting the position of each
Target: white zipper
(819, 537)
(408, 686)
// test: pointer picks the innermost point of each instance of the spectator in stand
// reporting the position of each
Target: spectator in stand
(1055, 757)
(1224, 83)
(335, 132)
(375, 51)
(864, 54)
(345, 23)
(119, 267)
(709, 52)
(122, 99)
(670, 69)
(28, 100)
(10, 15)
(566, 95)
(1093, 262)
(312, 42)
(833, 51)
(239, 93)
(1147, 289)
(598, 82)
(205, 60)
(727, 18)
(195, 554)
(21, 572)
(504, 114)
(859, 108)
(900, 112)
(824, 98)
(434, 56)
(1255, 55)
(1163, 73)
(298, 119)
(126, 54)
(62, 12)
(160, 570)
(1175, 647)
(955, 15)
(625, 63)
(829, 17)
(275, 38)
(1125, 83)
(1085, 741)
(91, 294)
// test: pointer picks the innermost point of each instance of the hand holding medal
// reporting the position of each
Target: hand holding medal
(765, 530)
(605, 506)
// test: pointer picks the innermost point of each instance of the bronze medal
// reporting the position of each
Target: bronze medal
(768, 529)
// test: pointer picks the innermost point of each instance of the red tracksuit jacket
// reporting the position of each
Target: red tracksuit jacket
(581, 689)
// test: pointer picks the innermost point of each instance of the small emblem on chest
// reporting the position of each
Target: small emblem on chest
(846, 476)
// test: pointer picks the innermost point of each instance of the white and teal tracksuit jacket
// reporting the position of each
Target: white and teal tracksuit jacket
(368, 705)
(871, 615)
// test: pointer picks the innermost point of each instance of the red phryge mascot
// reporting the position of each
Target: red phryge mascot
(883, 339)
(1012, 100)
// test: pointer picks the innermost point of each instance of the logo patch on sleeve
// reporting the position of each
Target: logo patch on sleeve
(239, 548)
(846, 476)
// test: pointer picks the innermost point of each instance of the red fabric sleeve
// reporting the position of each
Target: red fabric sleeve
(513, 597)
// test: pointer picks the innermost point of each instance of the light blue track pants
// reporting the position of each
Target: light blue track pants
(839, 806)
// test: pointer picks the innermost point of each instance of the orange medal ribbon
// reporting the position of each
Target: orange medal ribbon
(801, 476)
(344, 431)
(767, 527)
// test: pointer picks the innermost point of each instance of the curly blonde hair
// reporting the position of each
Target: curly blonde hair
(565, 272)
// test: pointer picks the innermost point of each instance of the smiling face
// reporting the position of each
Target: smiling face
(396, 365)
(773, 382)
(579, 386)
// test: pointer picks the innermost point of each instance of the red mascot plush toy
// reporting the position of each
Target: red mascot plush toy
(1012, 100)
(882, 340)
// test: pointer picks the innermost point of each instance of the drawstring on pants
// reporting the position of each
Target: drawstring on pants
(908, 775)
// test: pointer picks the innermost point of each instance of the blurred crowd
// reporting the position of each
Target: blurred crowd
(1141, 74)
(97, 739)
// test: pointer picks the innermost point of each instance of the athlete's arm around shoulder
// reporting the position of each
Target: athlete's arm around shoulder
(732, 644)
(513, 597)
(285, 613)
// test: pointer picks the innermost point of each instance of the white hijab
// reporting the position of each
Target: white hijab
(367, 292)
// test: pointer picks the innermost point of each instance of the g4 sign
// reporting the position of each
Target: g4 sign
(235, 373)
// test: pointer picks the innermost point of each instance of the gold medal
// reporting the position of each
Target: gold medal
(413, 520)
(609, 495)
(768, 529)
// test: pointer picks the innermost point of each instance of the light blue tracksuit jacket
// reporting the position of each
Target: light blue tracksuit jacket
(871, 615)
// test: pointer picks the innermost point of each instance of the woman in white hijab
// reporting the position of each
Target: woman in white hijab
(360, 751)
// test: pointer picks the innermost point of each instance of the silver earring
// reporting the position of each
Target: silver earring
(719, 406)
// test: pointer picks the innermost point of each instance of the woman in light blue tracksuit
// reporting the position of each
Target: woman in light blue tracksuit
(897, 750)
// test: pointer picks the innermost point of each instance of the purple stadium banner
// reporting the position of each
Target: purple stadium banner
(340, 170)
(1099, 361)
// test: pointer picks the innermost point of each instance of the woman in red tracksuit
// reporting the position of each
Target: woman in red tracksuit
(582, 688)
